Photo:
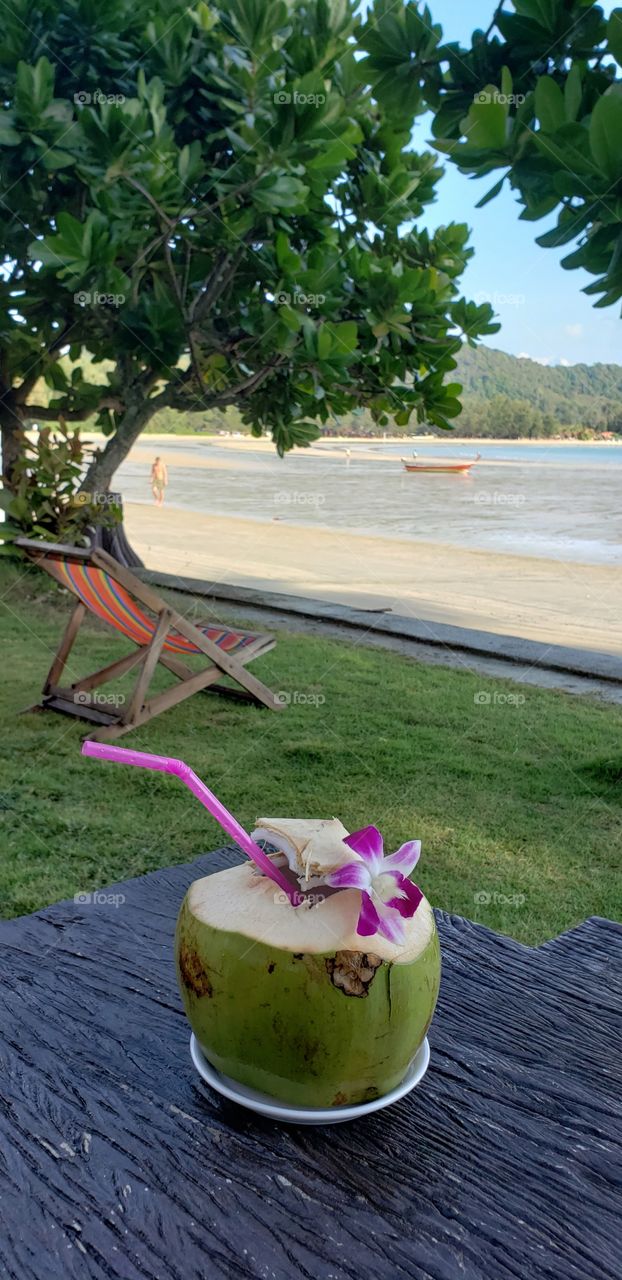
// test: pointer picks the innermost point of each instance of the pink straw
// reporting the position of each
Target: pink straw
(165, 764)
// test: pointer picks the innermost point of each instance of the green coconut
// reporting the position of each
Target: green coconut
(291, 1000)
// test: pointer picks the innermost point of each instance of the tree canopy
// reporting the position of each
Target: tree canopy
(215, 203)
(222, 205)
(539, 96)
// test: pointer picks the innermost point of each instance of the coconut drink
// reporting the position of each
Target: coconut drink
(311, 974)
(320, 998)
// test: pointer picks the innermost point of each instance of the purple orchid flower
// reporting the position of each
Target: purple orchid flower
(388, 896)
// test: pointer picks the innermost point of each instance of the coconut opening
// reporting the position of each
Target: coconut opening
(313, 846)
(238, 901)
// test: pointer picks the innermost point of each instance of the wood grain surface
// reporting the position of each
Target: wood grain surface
(117, 1161)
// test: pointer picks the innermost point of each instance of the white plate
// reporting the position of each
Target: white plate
(267, 1106)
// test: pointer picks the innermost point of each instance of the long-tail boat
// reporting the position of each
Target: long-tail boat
(439, 464)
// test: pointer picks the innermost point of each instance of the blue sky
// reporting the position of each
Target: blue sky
(543, 312)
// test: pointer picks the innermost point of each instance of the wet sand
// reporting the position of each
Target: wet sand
(553, 601)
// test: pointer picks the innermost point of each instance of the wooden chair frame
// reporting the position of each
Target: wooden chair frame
(138, 709)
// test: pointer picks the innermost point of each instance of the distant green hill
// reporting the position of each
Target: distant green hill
(505, 395)
(486, 372)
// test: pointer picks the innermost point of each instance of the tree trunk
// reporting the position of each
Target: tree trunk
(99, 474)
(12, 427)
(115, 541)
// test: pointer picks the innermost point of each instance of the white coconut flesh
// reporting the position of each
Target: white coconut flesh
(239, 901)
(313, 846)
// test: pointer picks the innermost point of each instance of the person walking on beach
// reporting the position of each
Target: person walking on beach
(159, 480)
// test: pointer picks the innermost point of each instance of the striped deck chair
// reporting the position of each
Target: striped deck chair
(159, 634)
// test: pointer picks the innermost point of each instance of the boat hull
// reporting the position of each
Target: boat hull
(441, 466)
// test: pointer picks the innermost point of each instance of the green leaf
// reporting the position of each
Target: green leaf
(333, 156)
(9, 137)
(324, 342)
(486, 122)
(606, 136)
(550, 106)
(53, 158)
(55, 377)
(614, 35)
(287, 260)
(568, 228)
(570, 148)
(34, 87)
(490, 195)
(544, 12)
(292, 319)
(189, 162)
(573, 92)
(345, 337)
(203, 16)
(279, 191)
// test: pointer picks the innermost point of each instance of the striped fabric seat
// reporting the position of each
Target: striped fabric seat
(159, 636)
(112, 603)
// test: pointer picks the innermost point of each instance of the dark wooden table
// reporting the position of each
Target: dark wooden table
(117, 1161)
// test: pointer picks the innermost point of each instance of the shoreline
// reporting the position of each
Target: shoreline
(219, 453)
(555, 602)
(329, 443)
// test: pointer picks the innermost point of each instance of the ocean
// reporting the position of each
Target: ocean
(560, 500)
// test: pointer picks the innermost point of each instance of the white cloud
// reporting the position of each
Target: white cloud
(574, 330)
(524, 355)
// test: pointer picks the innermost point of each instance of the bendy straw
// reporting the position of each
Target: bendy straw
(165, 764)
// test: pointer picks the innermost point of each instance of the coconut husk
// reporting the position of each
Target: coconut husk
(313, 846)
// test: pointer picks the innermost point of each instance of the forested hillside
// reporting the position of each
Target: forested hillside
(507, 396)
(486, 372)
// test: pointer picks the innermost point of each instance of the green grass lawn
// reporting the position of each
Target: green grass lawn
(516, 804)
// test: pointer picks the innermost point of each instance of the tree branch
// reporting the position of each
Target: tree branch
(228, 395)
(135, 416)
(495, 17)
(51, 412)
(170, 222)
(53, 351)
(216, 283)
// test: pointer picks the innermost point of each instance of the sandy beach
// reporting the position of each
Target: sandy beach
(552, 601)
(445, 442)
